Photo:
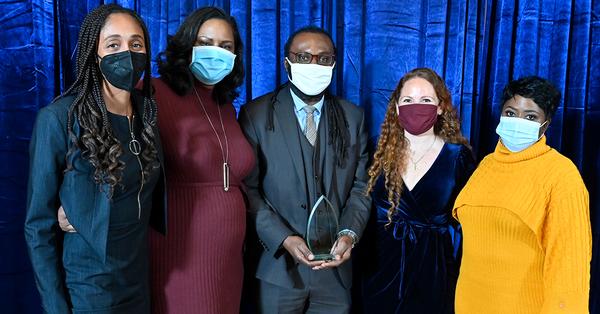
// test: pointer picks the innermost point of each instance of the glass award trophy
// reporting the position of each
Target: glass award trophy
(322, 229)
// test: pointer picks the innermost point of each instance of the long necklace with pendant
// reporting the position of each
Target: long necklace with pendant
(136, 148)
(224, 152)
(415, 163)
(134, 145)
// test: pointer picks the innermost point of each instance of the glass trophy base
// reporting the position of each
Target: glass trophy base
(323, 257)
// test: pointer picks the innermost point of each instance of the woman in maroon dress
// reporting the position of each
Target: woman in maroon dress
(197, 267)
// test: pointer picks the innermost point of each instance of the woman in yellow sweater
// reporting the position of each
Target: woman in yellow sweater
(525, 217)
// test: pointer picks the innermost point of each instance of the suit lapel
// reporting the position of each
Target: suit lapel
(286, 118)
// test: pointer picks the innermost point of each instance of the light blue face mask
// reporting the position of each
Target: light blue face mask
(517, 134)
(210, 64)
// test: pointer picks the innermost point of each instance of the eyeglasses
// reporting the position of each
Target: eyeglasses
(305, 58)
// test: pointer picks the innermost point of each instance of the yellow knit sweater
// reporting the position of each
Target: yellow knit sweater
(527, 235)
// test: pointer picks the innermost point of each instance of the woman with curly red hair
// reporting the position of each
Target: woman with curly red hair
(421, 163)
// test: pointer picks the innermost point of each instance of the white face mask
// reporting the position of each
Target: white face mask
(311, 79)
(518, 134)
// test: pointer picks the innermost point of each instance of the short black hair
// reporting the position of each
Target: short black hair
(538, 89)
(307, 29)
(173, 63)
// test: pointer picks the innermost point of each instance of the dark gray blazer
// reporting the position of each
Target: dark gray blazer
(49, 187)
(276, 187)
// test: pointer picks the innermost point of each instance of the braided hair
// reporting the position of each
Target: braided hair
(96, 141)
(339, 133)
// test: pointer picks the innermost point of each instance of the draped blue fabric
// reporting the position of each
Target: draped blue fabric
(477, 46)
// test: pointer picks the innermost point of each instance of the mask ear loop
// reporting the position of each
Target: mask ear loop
(289, 69)
(541, 125)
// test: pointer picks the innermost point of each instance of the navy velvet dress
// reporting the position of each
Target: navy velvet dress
(411, 266)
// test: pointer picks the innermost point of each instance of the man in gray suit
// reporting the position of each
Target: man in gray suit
(307, 143)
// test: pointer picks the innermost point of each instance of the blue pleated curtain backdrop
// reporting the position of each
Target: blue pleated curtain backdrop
(477, 46)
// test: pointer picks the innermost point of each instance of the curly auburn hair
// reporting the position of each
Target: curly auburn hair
(391, 155)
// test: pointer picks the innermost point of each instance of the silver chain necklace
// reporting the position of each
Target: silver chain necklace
(224, 153)
(423, 156)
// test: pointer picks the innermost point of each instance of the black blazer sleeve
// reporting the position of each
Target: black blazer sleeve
(47, 153)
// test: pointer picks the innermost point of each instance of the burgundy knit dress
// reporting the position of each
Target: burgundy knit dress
(197, 267)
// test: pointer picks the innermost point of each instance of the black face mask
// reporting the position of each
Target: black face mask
(123, 69)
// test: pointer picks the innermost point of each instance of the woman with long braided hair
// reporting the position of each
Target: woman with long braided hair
(422, 161)
(95, 152)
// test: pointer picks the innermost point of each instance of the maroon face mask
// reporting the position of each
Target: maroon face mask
(417, 118)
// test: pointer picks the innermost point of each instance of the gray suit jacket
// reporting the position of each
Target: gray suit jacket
(276, 187)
